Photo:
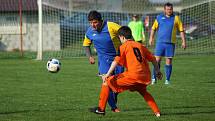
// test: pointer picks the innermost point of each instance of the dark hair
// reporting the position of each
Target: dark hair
(168, 4)
(94, 15)
(125, 31)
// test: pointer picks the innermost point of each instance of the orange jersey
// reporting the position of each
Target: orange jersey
(134, 56)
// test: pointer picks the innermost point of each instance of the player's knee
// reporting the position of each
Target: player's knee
(158, 59)
(168, 61)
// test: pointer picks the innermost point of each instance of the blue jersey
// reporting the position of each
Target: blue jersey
(167, 28)
(106, 41)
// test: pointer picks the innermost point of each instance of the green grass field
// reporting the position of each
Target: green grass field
(29, 93)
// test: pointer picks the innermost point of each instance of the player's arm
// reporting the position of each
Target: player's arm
(159, 75)
(119, 60)
(112, 68)
(152, 34)
(181, 30)
(87, 44)
(89, 55)
(150, 57)
(110, 71)
(183, 45)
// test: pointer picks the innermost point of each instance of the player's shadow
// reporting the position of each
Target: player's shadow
(27, 111)
(209, 82)
(198, 110)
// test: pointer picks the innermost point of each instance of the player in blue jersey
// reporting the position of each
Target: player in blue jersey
(166, 25)
(103, 34)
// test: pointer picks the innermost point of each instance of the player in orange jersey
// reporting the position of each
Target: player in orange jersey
(134, 57)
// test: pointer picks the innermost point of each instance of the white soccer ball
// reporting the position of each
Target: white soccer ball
(53, 65)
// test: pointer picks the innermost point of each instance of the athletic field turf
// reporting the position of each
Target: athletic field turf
(29, 93)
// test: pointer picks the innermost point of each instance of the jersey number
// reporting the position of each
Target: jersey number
(138, 54)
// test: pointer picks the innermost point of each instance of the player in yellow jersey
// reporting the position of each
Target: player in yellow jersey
(103, 34)
(166, 25)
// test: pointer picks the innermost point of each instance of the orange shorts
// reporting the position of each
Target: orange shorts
(119, 83)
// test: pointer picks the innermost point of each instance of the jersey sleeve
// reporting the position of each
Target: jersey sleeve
(87, 41)
(179, 24)
(113, 30)
(121, 58)
(149, 56)
(155, 25)
(114, 26)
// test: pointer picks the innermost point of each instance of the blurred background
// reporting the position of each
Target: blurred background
(64, 23)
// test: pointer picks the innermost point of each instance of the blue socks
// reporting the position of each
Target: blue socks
(168, 71)
(112, 99)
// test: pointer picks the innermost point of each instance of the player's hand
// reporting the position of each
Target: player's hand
(151, 42)
(92, 60)
(159, 75)
(104, 78)
(183, 45)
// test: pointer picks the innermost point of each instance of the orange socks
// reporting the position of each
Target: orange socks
(104, 94)
(151, 102)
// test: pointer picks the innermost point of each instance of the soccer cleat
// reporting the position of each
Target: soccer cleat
(167, 82)
(97, 110)
(157, 114)
(153, 81)
(116, 110)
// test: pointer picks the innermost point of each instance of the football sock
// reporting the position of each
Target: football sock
(151, 102)
(168, 71)
(112, 99)
(104, 94)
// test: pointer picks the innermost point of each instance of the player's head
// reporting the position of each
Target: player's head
(168, 9)
(135, 17)
(124, 34)
(95, 19)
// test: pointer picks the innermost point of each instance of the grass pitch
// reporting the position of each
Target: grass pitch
(29, 93)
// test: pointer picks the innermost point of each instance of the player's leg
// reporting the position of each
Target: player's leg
(118, 70)
(159, 52)
(103, 98)
(169, 54)
(104, 65)
(112, 101)
(121, 83)
(111, 83)
(154, 79)
(148, 98)
(168, 70)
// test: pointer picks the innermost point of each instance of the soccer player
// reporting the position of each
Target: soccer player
(166, 25)
(134, 57)
(103, 34)
(136, 26)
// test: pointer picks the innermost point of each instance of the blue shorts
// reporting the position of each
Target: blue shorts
(104, 63)
(165, 50)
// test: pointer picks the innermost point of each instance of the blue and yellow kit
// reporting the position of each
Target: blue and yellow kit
(166, 34)
(167, 28)
(106, 43)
